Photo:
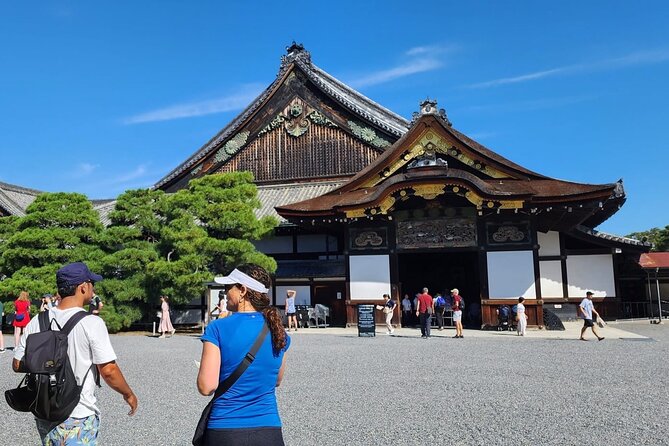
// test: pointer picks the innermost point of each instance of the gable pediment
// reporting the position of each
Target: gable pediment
(314, 131)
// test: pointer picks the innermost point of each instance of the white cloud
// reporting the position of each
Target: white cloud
(85, 169)
(237, 101)
(633, 59)
(380, 77)
(420, 60)
(138, 172)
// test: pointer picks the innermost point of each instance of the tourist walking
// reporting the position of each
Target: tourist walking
(406, 310)
(521, 317)
(88, 346)
(96, 305)
(47, 303)
(389, 310)
(439, 309)
(2, 319)
(424, 313)
(21, 315)
(247, 413)
(587, 308)
(457, 312)
(415, 309)
(165, 319)
(291, 312)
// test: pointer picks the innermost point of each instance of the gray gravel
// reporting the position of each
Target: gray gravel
(345, 390)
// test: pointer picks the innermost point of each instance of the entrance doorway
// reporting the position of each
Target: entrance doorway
(331, 295)
(441, 272)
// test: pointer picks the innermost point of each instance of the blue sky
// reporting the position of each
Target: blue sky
(102, 97)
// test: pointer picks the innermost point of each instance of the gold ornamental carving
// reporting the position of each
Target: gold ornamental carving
(296, 119)
(428, 191)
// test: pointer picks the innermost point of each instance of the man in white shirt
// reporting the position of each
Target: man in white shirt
(88, 344)
(587, 308)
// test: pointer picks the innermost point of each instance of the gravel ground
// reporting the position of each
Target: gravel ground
(403, 390)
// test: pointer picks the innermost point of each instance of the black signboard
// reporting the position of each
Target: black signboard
(366, 324)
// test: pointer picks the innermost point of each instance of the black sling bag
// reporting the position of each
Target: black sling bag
(223, 386)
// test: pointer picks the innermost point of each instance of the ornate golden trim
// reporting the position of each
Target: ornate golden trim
(429, 141)
(430, 191)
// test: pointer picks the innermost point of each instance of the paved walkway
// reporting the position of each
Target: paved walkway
(613, 330)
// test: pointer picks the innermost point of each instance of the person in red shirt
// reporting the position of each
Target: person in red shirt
(424, 312)
(457, 312)
(21, 316)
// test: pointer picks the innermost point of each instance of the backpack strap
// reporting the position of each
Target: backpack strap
(74, 320)
(44, 323)
(67, 328)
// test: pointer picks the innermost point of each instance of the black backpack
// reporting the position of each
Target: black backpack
(49, 390)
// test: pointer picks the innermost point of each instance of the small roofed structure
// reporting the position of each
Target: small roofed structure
(656, 266)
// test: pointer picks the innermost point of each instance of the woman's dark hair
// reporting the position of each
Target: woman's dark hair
(521, 299)
(260, 302)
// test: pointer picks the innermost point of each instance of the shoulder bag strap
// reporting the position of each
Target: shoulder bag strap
(241, 368)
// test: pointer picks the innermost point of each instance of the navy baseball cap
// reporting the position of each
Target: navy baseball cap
(74, 274)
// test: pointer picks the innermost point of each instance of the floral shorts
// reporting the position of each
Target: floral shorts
(71, 432)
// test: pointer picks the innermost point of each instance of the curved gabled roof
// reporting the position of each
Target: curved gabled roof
(496, 179)
(298, 58)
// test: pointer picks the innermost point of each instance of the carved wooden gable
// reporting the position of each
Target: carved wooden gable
(298, 134)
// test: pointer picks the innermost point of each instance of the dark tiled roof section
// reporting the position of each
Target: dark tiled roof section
(611, 237)
(104, 208)
(652, 260)
(293, 269)
(348, 97)
(355, 101)
(282, 194)
(16, 199)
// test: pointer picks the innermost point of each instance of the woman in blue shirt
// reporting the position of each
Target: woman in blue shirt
(247, 413)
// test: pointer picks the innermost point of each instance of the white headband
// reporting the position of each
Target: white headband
(236, 276)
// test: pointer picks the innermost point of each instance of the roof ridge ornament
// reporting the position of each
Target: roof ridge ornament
(294, 53)
(429, 107)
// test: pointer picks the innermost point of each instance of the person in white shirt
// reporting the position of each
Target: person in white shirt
(406, 310)
(521, 317)
(88, 344)
(587, 308)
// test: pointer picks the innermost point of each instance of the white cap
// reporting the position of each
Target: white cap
(236, 276)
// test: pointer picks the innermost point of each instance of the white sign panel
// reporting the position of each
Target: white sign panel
(591, 273)
(511, 275)
(370, 276)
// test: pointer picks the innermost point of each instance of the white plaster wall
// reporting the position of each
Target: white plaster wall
(591, 273)
(549, 243)
(302, 296)
(551, 278)
(511, 275)
(370, 276)
(275, 245)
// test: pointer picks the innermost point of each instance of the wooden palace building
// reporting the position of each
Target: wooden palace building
(371, 203)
